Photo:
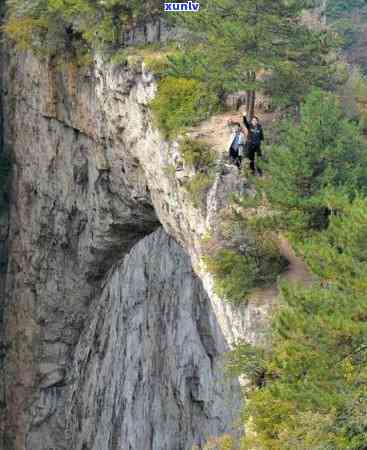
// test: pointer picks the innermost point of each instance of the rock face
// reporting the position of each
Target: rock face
(111, 339)
(148, 367)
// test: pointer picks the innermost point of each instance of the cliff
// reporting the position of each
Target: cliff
(114, 337)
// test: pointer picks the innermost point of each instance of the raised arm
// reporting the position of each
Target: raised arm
(245, 121)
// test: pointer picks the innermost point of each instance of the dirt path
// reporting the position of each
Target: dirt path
(297, 271)
(216, 131)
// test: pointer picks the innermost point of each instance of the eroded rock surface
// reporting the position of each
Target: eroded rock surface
(149, 365)
(138, 340)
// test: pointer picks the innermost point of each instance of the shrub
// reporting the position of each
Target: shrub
(156, 63)
(242, 254)
(181, 103)
(338, 8)
(198, 186)
(236, 272)
(348, 30)
(197, 154)
(233, 274)
(154, 56)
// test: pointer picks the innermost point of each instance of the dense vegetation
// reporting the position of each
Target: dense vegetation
(181, 103)
(309, 386)
(325, 151)
(242, 256)
(337, 8)
(348, 18)
(60, 27)
(255, 46)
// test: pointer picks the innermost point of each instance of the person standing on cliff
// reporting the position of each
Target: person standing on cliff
(236, 145)
(255, 138)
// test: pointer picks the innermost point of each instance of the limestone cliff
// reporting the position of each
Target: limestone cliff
(113, 335)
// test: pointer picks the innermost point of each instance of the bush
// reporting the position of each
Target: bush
(198, 186)
(181, 103)
(348, 30)
(197, 154)
(242, 257)
(237, 272)
(233, 274)
(338, 8)
(354, 97)
(154, 56)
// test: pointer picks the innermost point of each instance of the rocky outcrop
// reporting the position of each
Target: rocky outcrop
(148, 367)
(98, 317)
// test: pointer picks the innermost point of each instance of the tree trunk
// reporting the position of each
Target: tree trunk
(251, 96)
(250, 103)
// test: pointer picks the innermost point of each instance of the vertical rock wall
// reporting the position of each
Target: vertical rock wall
(149, 365)
(103, 351)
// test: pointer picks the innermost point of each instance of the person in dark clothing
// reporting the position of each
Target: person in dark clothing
(255, 138)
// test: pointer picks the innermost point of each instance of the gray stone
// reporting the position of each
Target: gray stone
(105, 327)
(149, 364)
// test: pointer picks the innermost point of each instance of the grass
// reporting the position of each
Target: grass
(181, 103)
(198, 156)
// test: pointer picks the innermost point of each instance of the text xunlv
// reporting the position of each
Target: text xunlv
(183, 6)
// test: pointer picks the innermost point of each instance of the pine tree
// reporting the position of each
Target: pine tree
(254, 45)
(324, 150)
(314, 393)
(309, 386)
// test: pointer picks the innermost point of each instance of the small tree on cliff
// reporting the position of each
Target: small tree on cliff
(243, 45)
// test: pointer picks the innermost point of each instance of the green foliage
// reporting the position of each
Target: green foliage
(337, 8)
(197, 187)
(73, 26)
(353, 94)
(181, 103)
(197, 154)
(247, 359)
(239, 269)
(348, 18)
(348, 30)
(154, 56)
(233, 274)
(170, 171)
(242, 45)
(316, 376)
(242, 257)
(325, 150)
(309, 389)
